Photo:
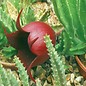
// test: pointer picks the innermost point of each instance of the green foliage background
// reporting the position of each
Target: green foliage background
(72, 14)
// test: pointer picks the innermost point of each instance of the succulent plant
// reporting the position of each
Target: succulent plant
(56, 63)
(72, 15)
(72, 41)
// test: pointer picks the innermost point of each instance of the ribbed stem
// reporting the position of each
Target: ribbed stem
(56, 62)
(22, 72)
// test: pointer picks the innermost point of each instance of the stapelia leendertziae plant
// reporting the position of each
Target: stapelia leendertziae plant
(29, 41)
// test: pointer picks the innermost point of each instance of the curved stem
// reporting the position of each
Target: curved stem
(29, 73)
(81, 67)
(80, 64)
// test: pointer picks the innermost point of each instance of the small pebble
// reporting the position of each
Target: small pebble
(76, 83)
(49, 78)
(76, 70)
(84, 84)
(40, 72)
(69, 83)
(46, 84)
(79, 78)
(72, 78)
(70, 68)
(38, 82)
(68, 76)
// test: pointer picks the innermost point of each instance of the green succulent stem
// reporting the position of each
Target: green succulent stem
(22, 72)
(4, 80)
(4, 76)
(56, 63)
